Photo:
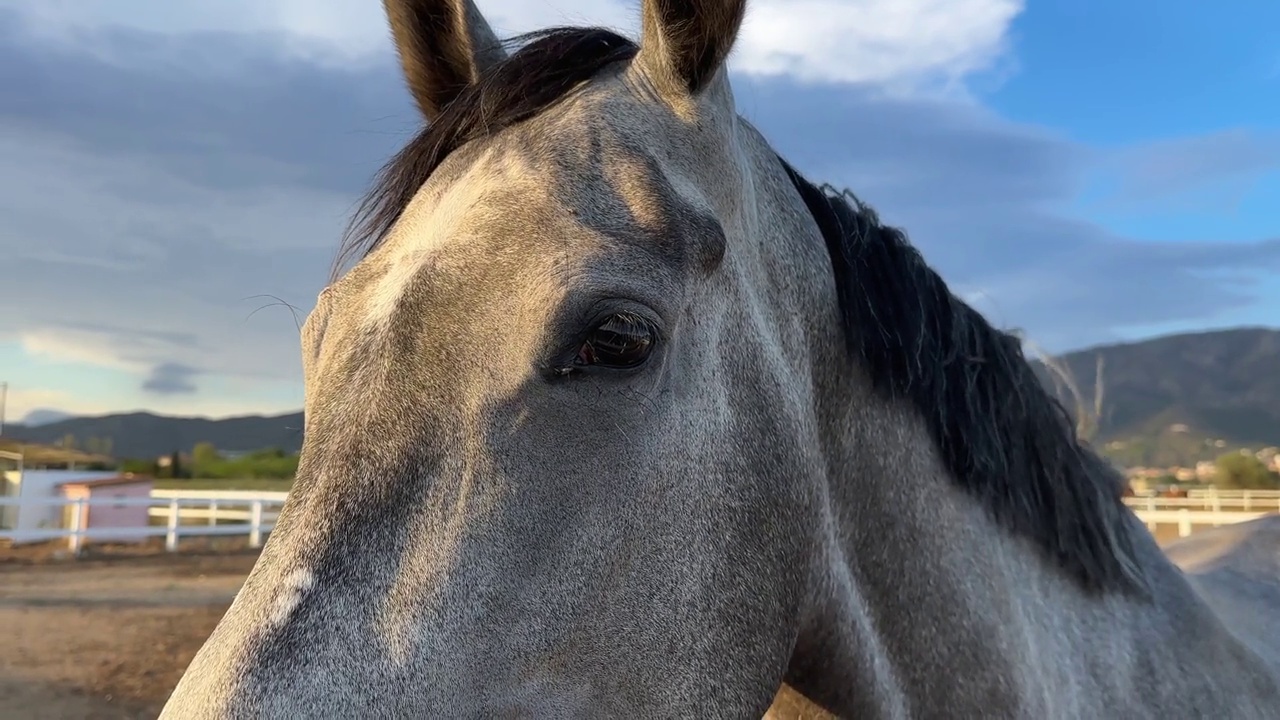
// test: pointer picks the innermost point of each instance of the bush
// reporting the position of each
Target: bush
(207, 463)
(138, 467)
(1243, 471)
(266, 464)
(270, 463)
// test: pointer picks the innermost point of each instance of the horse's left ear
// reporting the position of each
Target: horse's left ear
(444, 46)
(685, 42)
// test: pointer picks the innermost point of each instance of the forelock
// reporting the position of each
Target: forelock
(549, 65)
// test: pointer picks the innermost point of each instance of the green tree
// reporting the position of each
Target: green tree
(139, 467)
(262, 464)
(203, 457)
(1243, 471)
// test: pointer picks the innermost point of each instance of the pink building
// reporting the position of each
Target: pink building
(102, 513)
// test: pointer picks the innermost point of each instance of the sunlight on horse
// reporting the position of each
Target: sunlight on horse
(615, 414)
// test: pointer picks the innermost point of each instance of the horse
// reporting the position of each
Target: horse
(613, 413)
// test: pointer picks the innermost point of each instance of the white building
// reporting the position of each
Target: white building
(39, 484)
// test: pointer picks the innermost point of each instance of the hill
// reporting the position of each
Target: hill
(144, 435)
(1167, 401)
(1177, 399)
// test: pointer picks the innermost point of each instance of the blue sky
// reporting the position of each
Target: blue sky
(1086, 171)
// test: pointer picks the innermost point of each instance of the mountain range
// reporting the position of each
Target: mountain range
(1169, 400)
(1177, 399)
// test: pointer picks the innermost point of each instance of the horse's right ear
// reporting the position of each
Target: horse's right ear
(683, 43)
(444, 46)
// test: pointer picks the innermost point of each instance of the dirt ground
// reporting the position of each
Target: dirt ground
(1166, 533)
(106, 637)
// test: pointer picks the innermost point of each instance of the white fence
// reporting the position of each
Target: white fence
(1262, 501)
(252, 513)
(1205, 507)
(219, 505)
(220, 510)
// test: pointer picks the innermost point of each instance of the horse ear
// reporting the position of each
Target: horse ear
(684, 42)
(444, 46)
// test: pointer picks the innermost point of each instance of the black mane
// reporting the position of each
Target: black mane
(1004, 439)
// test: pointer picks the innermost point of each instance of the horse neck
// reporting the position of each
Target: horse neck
(924, 607)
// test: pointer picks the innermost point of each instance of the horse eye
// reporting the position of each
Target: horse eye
(621, 342)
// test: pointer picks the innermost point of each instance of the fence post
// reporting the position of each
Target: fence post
(1217, 510)
(171, 538)
(1184, 522)
(255, 527)
(1246, 497)
(213, 511)
(76, 539)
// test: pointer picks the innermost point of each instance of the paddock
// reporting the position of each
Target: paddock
(106, 639)
(65, 656)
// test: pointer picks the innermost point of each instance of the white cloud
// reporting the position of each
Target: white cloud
(900, 43)
(354, 26)
(888, 42)
(70, 345)
(21, 401)
(242, 399)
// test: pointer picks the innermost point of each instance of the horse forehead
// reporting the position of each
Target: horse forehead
(449, 223)
(536, 193)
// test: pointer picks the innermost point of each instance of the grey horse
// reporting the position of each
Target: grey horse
(616, 415)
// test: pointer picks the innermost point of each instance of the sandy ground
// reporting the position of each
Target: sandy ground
(107, 637)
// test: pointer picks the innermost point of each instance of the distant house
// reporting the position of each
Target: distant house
(27, 484)
(100, 513)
